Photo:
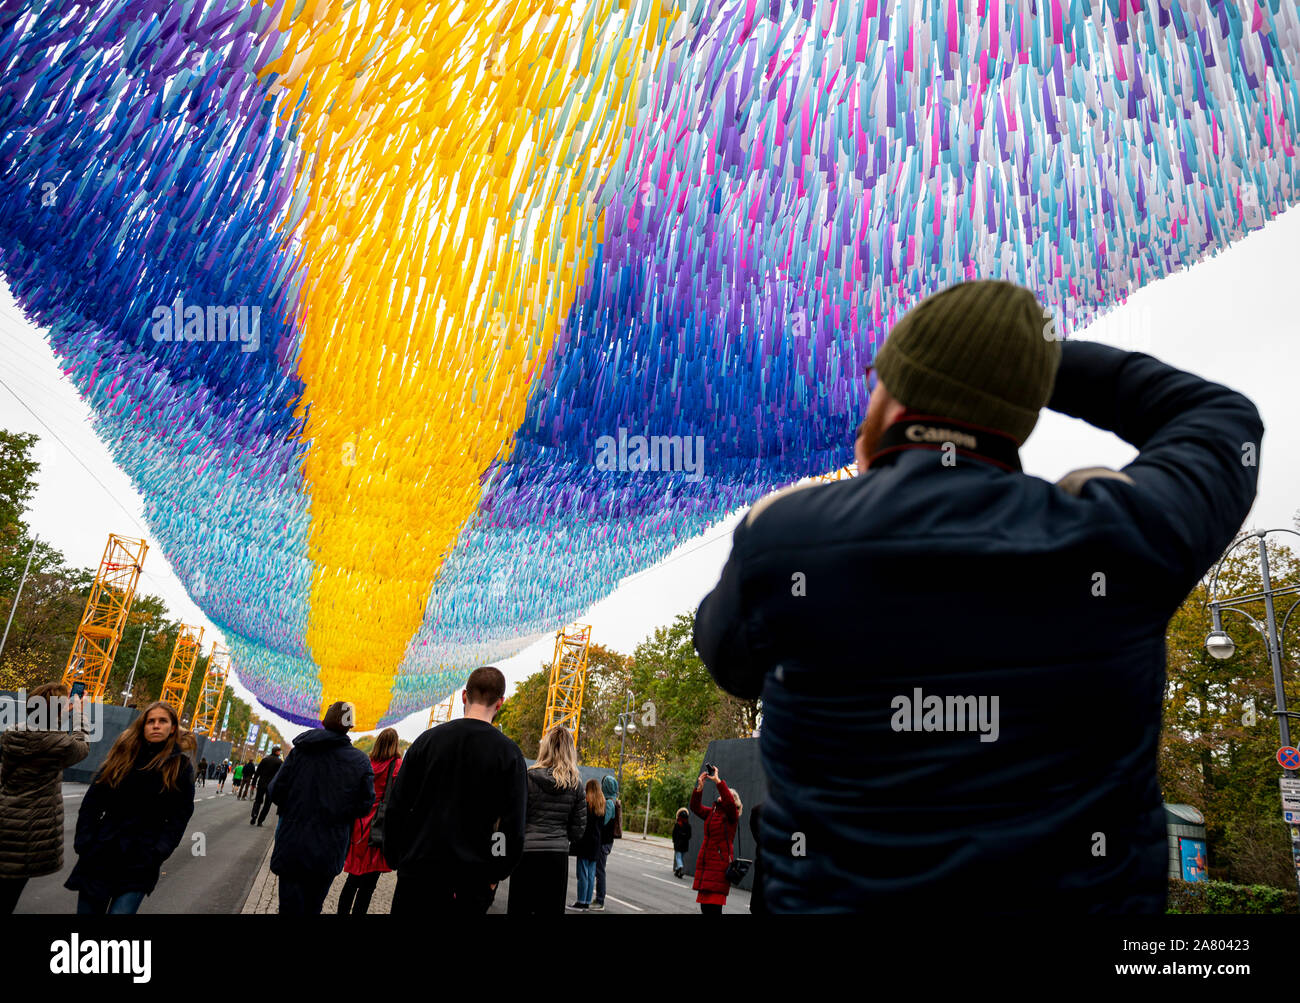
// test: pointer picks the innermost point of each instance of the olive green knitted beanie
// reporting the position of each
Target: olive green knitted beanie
(982, 352)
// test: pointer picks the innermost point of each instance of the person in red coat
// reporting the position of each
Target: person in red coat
(365, 862)
(717, 849)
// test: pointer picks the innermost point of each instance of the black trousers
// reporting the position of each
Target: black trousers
(11, 890)
(263, 802)
(419, 892)
(354, 899)
(304, 894)
(710, 910)
(539, 883)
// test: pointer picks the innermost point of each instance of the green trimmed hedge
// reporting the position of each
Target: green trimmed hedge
(1225, 897)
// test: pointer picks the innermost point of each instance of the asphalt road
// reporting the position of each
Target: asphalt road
(216, 880)
(639, 881)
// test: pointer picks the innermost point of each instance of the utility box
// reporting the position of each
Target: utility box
(1188, 852)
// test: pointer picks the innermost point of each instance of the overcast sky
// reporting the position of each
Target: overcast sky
(1230, 319)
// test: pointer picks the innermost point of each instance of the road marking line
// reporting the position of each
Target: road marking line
(628, 904)
(675, 884)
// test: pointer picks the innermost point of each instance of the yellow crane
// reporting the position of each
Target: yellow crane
(107, 606)
(568, 678)
(440, 713)
(211, 692)
(180, 670)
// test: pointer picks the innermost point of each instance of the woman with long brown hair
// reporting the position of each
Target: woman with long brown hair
(587, 848)
(556, 817)
(365, 857)
(134, 813)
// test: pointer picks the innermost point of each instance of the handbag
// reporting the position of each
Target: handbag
(739, 866)
(618, 820)
(377, 823)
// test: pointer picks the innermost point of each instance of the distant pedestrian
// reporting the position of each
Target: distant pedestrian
(133, 814)
(681, 841)
(203, 773)
(250, 776)
(237, 779)
(716, 849)
(321, 790)
(611, 828)
(454, 828)
(587, 847)
(32, 759)
(557, 817)
(365, 862)
(222, 770)
(757, 899)
(266, 771)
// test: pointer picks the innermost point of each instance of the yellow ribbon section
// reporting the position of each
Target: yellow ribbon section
(453, 154)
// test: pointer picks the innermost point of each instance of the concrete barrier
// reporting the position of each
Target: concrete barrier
(115, 720)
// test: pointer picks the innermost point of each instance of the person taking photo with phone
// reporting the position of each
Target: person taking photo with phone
(717, 848)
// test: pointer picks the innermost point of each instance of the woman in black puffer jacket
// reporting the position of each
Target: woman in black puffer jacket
(32, 759)
(557, 816)
(134, 813)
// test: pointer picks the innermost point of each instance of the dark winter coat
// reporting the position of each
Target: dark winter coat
(31, 799)
(681, 836)
(718, 846)
(557, 816)
(587, 846)
(362, 857)
(323, 787)
(124, 833)
(972, 580)
(267, 769)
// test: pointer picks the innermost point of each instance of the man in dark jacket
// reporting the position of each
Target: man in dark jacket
(266, 771)
(454, 826)
(940, 769)
(321, 790)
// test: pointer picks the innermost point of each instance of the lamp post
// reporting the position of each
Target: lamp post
(1220, 644)
(625, 725)
(17, 595)
(126, 693)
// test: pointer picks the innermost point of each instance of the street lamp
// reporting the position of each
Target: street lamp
(1220, 645)
(624, 727)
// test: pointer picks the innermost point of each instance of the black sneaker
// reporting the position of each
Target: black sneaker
(578, 905)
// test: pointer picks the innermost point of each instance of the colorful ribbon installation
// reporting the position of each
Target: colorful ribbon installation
(469, 249)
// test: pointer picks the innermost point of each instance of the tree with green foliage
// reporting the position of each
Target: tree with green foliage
(1220, 734)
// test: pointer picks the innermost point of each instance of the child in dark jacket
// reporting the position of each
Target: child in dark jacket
(681, 841)
(587, 848)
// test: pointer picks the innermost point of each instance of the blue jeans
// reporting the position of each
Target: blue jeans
(678, 862)
(123, 904)
(586, 879)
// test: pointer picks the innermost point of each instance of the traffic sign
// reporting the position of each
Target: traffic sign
(1291, 817)
(1289, 757)
(1290, 785)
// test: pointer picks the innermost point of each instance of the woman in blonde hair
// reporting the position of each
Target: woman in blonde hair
(556, 818)
(134, 813)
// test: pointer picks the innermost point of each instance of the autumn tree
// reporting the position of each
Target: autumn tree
(1220, 732)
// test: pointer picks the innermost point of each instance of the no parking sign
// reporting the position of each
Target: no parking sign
(1288, 757)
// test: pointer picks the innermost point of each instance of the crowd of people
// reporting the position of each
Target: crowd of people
(942, 530)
